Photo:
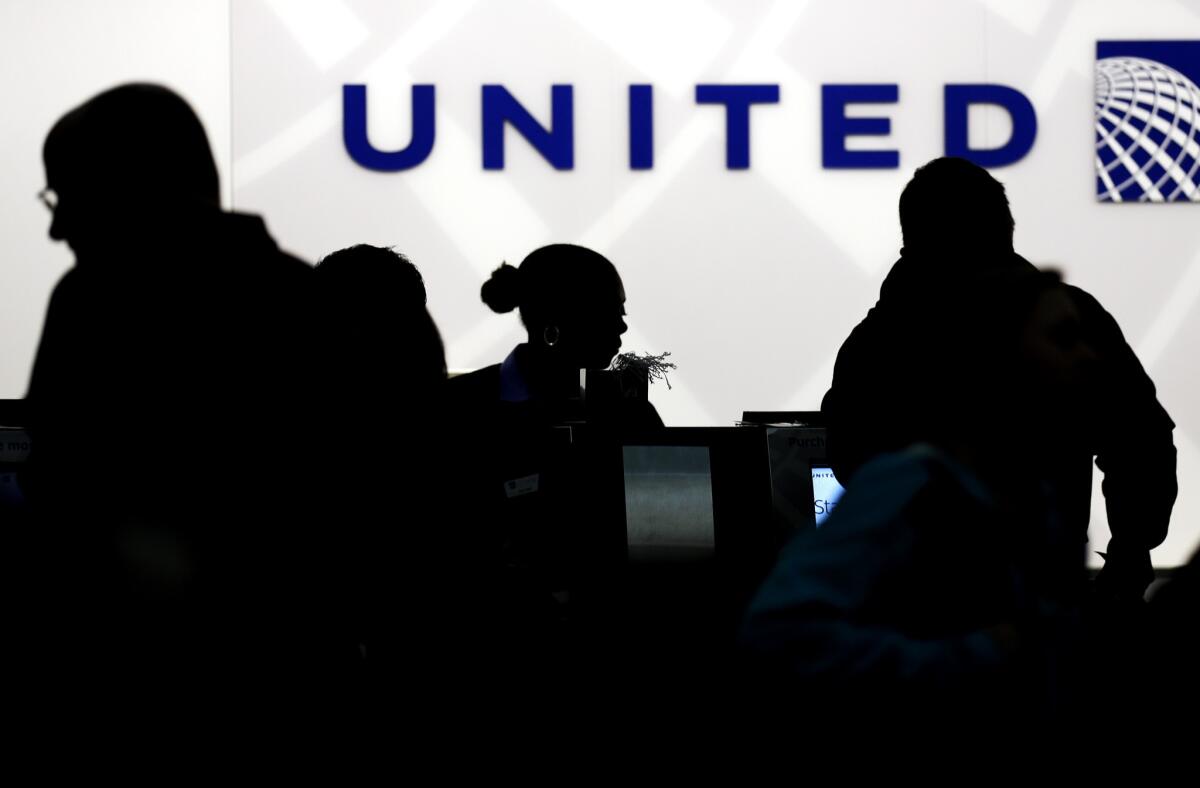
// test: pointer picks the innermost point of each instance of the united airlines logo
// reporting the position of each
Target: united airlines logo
(1148, 121)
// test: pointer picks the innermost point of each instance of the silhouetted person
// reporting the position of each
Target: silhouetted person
(165, 403)
(375, 327)
(944, 590)
(572, 303)
(382, 371)
(1173, 686)
(957, 224)
(355, 269)
(535, 522)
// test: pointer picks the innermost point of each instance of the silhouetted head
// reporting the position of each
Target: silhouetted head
(122, 161)
(952, 205)
(365, 272)
(571, 300)
(375, 328)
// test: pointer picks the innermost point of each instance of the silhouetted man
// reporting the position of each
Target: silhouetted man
(945, 588)
(163, 400)
(956, 224)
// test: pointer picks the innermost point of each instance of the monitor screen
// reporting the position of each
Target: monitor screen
(668, 502)
(826, 492)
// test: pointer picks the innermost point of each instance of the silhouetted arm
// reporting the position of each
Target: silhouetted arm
(1135, 450)
(845, 407)
(866, 405)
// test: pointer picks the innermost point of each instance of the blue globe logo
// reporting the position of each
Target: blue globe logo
(1147, 132)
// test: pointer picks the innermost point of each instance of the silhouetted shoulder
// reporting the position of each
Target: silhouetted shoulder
(1095, 317)
(1135, 388)
(248, 234)
(649, 415)
(474, 388)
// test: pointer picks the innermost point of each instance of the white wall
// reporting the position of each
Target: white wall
(751, 279)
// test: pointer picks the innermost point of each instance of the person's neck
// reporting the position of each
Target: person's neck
(954, 256)
(547, 378)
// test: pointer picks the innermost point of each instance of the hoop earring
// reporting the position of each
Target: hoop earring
(550, 340)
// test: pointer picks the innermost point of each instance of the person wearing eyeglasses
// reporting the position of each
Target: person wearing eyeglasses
(164, 398)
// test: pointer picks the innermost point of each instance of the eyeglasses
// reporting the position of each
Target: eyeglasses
(49, 198)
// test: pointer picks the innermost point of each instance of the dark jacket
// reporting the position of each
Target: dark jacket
(885, 374)
(165, 403)
(519, 437)
(537, 513)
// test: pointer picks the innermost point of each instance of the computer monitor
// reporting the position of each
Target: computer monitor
(827, 491)
(14, 454)
(694, 494)
(794, 451)
(668, 502)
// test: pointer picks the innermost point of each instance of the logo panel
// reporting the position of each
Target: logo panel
(1148, 121)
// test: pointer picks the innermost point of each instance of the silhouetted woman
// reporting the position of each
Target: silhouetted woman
(532, 521)
(572, 303)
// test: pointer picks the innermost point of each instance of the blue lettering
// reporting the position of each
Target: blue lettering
(641, 127)
(556, 144)
(737, 100)
(959, 98)
(354, 130)
(836, 127)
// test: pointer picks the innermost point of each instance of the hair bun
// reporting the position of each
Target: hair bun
(502, 292)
